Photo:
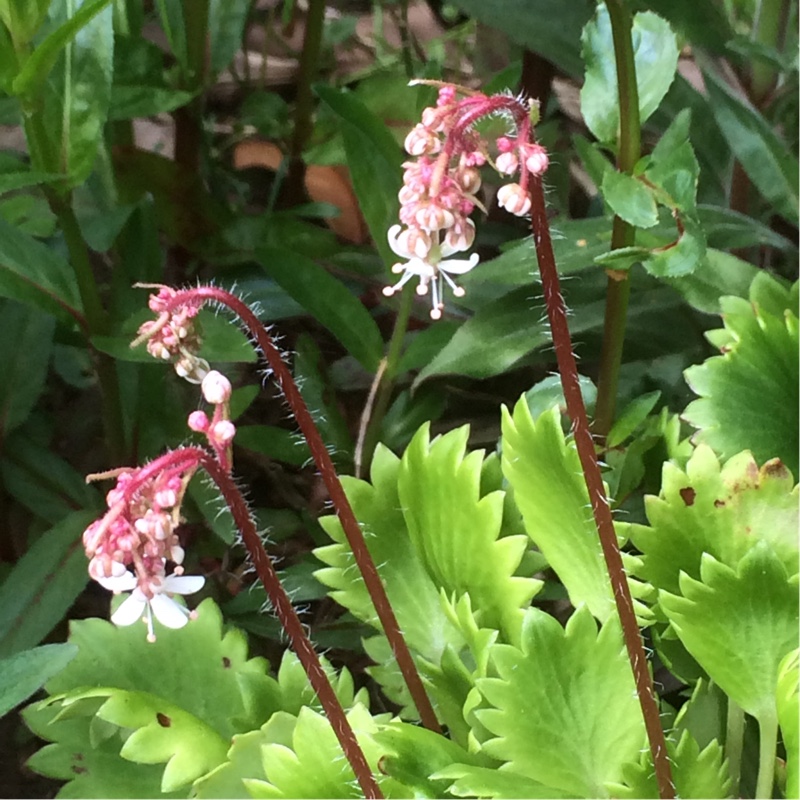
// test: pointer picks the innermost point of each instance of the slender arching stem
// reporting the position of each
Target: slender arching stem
(567, 368)
(341, 504)
(292, 625)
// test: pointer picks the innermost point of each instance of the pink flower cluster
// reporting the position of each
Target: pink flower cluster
(440, 186)
(174, 336)
(138, 532)
(132, 545)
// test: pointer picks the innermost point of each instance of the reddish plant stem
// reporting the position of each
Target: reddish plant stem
(567, 367)
(294, 628)
(344, 511)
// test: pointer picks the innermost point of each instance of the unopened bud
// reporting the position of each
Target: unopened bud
(223, 432)
(216, 388)
(514, 199)
(198, 421)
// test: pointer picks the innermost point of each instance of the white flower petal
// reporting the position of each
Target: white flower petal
(459, 266)
(183, 584)
(392, 236)
(168, 612)
(120, 583)
(130, 610)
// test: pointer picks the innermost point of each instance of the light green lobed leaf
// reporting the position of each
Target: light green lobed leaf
(544, 470)
(695, 773)
(195, 667)
(412, 592)
(749, 394)
(788, 715)
(92, 768)
(313, 764)
(455, 531)
(415, 755)
(738, 624)
(429, 529)
(160, 733)
(564, 708)
(276, 704)
(723, 510)
(196, 676)
(471, 781)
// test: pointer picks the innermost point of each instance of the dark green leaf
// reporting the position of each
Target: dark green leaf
(768, 162)
(33, 274)
(276, 443)
(631, 418)
(656, 57)
(374, 161)
(495, 339)
(128, 102)
(678, 259)
(552, 30)
(43, 585)
(576, 243)
(42, 481)
(629, 199)
(27, 337)
(226, 21)
(38, 66)
(22, 674)
(330, 302)
(673, 167)
(718, 274)
(87, 69)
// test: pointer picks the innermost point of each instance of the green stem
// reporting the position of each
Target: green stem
(734, 742)
(768, 743)
(767, 31)
(97, 321)
(387, 381)
(405, 38)
(44, 158)
(304, 101)
(623, 234)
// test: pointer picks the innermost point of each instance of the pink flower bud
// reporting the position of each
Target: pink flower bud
(536, 159)
(507, 163)
(198, 421)
(216, 388)
(223, 432)
(166, 498)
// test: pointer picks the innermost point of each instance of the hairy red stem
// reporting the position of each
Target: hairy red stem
(291, 624)
(319, 452)
(567, 368)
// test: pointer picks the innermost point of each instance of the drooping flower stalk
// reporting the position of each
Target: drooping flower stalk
(169, 302)
(133, 544)
(430, 210)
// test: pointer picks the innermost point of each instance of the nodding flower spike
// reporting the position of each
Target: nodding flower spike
(440, 185)
(131, 546)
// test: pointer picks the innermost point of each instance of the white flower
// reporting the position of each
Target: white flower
(431, 270)
(161, 605)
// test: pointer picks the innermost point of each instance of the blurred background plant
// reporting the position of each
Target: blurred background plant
(258, 145)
